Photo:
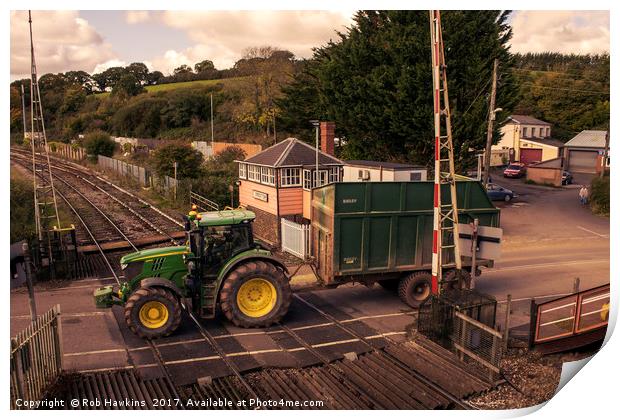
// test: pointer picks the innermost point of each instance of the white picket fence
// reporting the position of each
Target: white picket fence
(295, 238)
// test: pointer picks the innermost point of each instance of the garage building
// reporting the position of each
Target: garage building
(584, 152)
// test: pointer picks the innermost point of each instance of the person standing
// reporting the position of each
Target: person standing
(582, 194)
(586, 195)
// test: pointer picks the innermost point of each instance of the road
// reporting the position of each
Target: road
(549, 240)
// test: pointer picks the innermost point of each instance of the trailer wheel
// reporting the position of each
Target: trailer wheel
(415, 288)
(255, 294)
(450, 282)
(153, 312)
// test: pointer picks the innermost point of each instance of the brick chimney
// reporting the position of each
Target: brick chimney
(327, 137)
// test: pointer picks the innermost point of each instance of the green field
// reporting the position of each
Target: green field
(195, 83)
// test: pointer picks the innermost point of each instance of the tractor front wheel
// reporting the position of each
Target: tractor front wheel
(255, 294)
(153, 312)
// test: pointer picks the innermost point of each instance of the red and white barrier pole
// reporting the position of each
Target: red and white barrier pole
(436, 269)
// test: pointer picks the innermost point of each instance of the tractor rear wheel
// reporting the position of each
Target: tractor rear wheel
(255, 294)
(153, 312)
(415, 288)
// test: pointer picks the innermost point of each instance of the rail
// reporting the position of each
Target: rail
(36, 358)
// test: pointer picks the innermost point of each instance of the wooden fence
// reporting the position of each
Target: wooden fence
(36, 358)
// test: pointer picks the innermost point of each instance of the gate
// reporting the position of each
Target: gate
(463, 321)
(36, 358)
(571, 321)
(295, 238)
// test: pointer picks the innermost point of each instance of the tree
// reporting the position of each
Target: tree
(99, 143)
(128, 85)
(375, 83)
(80, 78)
(109, 77)
(73, 100)
(189, 160)
(139, 71)
(203, 66)
(154, 77)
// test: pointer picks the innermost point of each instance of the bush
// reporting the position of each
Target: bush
(189, 161)
(99, 143)
(599, 196)
(22, 209)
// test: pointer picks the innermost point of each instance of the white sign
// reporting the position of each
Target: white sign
(489, 241)
(259, 195)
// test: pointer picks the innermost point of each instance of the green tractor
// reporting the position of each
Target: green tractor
(220, 264)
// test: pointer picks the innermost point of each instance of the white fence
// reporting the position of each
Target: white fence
(295, 238)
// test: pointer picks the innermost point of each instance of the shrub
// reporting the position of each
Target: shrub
(599, 195)
(22, 209)
(99, 143)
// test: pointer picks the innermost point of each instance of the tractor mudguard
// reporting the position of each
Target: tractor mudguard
(159, 282)
(253, 254)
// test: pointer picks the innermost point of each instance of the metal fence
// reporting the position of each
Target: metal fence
(138, 173)
(463, 321)
(295, 238)
(36, 358)
(202, 203)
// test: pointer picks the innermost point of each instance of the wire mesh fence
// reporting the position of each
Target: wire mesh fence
(463, 321)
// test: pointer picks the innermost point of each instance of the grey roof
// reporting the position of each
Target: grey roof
(588, 138)
(384, 165)
(526, 119)
(292, 152)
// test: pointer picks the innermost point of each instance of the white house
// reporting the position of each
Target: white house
(528, 139)
(370, 170)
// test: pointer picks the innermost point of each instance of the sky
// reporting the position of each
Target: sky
(95, 40)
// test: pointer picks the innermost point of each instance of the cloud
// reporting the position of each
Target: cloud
(62, 40)
(578, 32)
(137, 16)
(221, 36)
(110, 63)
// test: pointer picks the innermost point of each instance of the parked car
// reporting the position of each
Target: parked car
(515, 170)
(567, 178)
(496, 192)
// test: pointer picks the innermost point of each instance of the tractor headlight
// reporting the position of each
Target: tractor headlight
(123, 266)
(190, 266)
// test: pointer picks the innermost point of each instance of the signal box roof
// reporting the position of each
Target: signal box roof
(225, 217)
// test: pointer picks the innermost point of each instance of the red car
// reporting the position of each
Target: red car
(515, 170)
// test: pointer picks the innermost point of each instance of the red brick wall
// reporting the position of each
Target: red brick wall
(265, 226)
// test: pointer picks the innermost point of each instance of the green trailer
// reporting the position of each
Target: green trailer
(381, 232)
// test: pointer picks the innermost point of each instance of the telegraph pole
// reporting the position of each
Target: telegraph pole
(605, 153)
(487, 155)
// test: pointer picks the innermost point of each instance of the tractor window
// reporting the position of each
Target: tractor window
(240, 238)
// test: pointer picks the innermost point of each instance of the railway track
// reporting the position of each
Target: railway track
(383, 377)
(136, 217)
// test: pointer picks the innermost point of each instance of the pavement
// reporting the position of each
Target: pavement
(549, 241)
